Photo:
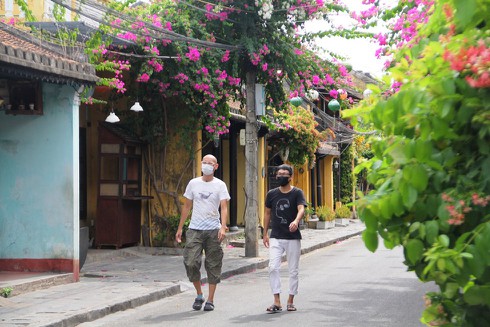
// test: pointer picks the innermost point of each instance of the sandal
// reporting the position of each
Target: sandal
(291, 307)
(209, 306)
(274, 308)
(198, 303)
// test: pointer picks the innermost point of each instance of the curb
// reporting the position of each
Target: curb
(116, 307)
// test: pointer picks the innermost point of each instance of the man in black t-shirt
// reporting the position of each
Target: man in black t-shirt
(284, 208)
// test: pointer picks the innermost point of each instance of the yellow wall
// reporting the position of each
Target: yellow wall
(301, 179)
(327, 181)
(38, 8)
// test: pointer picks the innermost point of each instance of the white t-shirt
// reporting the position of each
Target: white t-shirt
(206, 198)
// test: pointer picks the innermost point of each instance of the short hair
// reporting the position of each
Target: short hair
(285, 167)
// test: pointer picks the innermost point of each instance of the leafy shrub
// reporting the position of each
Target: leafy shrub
(166, 227)
(325, 213)
(343, 212)
(431, 186)
(6, 291)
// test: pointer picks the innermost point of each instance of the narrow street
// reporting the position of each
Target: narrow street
(341, 285)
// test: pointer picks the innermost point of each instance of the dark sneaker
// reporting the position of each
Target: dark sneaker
(198, 303)
(209, 306)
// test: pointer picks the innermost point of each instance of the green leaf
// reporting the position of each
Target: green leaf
(396, 203)
(465, 11)
(389, 244)
(477, 295)
(419, 177)
(398, 152)
(370, 239)
(414, 227)
(370, 220)
(415, 249)
(477, 265)
(441, 264)
(451, 290)
(431, 231)
(443, 240)
(409, 195)
(385, 208)
(423, 150)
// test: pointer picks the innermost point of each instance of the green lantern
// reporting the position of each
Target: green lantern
(296, 101)
(334, 105)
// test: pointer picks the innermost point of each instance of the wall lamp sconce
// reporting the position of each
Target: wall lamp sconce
(336, 164)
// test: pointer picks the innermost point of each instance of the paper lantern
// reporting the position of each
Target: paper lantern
(313, 95)
(334, 105)
(296, 101)
(367, 93)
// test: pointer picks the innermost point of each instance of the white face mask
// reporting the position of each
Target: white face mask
(207, 169)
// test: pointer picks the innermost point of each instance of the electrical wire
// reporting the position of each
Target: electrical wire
(94, 11)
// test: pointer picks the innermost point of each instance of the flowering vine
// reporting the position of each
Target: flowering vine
(296, 135)
(206, 78)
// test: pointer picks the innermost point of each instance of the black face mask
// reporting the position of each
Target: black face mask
(283, 180)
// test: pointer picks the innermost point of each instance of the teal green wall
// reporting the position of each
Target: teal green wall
(39, 179)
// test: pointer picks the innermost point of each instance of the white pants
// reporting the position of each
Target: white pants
(293, 251)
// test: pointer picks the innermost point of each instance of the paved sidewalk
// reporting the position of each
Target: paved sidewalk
(115, 280)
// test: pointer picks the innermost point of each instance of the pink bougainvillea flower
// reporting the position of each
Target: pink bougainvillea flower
(193, 54)
(226, 56)
(128, 36)
(144, 78)
(203, 71)
(181, 77)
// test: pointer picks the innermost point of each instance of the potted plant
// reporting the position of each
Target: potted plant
(342, 215)
(326, 217)
(310, 217)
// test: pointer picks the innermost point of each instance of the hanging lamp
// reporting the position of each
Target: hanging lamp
(112, 118)
(334, 105)
(296, 101)
(136, 107)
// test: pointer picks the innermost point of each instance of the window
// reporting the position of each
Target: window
(25, 98)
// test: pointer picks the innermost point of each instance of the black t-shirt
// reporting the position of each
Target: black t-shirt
(284, 208)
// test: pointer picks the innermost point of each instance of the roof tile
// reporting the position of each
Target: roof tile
(22, 49)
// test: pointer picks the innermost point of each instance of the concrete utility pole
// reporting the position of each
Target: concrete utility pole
(251, 175)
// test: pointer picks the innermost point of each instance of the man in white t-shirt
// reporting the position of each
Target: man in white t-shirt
(205, 195)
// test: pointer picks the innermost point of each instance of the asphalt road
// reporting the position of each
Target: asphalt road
(343, 285)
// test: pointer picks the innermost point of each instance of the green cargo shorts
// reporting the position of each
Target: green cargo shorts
(198, 241)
